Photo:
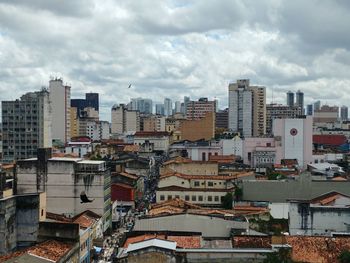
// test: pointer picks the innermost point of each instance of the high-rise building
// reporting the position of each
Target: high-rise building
(300, 100)
(26, 126)
(290, 98)
(309, 109)
(60, 103)
(90, 101)
(247, 111)
(199, 109)
(168, 107)
(186, 101)
(344, 112)
(221, 119)
(278, 111)
(144, 106)
(326, 114)
(124, 120)
(160, 109)
(177, 106)
(317, 105)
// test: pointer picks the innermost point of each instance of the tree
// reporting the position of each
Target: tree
(238, 193)
(227, 201)
(344, 256)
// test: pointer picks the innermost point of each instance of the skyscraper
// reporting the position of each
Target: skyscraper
(60, 103)
(160, 109)
(247, 111)
(142, 105)
(317, 105)
(26, 126)
(309, 110)
(300, 100)
(344, 112)
(124, 120)
(186, 101)
(290, 99)
(199, 109)
(177, 106)
(168, 107)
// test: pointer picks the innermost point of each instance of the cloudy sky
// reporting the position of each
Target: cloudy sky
(176, 48)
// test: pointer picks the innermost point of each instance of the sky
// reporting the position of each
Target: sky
(176, 48)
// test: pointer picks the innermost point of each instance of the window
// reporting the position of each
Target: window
(200, 198)
(210, 184)
(210, 198)
(203, 156)
(216, 199)
(177, 196)
(162, 198)
(194, 198)
(42, 212)
(169, 197)
(187, 197)
(196, 183)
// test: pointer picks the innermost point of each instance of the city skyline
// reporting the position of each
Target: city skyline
(161, 54)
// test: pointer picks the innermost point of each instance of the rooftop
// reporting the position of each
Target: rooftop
(155, 242)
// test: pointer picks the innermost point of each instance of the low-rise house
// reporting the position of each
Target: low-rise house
(323, 215)
(159, 140)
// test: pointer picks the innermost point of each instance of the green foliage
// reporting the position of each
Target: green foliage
(275, 176)
(238, 193)
(227, 201)
(282, 256)
(344, 256)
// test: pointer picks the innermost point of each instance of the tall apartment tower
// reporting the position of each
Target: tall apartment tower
(317, 105)
(60, 103)
(168, 107)
(309, 109)
(247, 111)
(160, 109)
(186, 101)
(124, 120)
(26, 126)
(198, 109)
(344, 113)
(290, 99)
(300, 100)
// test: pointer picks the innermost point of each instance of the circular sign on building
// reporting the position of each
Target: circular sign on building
(293, 132)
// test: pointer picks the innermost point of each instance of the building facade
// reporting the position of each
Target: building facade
(199, 109)
(247, 112)
(27, 124)
(278, 111)
(60, 104)
(124, 120)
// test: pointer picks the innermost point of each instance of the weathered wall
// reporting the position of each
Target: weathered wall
(8, 230)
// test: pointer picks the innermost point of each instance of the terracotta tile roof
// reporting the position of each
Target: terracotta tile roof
(339, 178)
(151, 134)
(328, 198)
(179, 188)
(222, 158)
(131, 148)
(128, 175)
(317, 249)
(84, 219)
(251, 242)
(140, 238)
(50, 249)
(69, 155)
(178, 159)
(176, 202)
(207, 177)
(250, 210)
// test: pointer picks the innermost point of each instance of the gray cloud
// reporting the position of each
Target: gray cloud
(175, 48)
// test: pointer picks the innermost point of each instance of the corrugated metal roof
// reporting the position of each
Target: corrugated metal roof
(170, 245)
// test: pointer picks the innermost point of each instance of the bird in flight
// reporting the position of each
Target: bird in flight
(84, 198)
(129, 86)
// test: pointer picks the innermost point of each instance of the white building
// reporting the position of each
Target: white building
(60, 104)
(159, 141)
(64, 180)
(293, 140)
(124, 120)
(80, 149)
(168, 107)
(323, 215)
(232, 146)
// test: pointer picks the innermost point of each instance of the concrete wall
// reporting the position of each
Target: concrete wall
(192, 168)
(8, 229)
(209, 226)
(280, 191)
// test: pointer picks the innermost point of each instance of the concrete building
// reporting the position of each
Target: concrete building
(74, 125)
(290, 99)
(160, 110)
(344, 113)
(142, 105)
(66, 181)
(278, 111)
(326, 114)
(309, 109)
(300, 100)
(259, 152)
(293, 140)
(124, 120)
(221, 119)
(247, 111)
(27, 124)
(317, 105)
(91, 101)
(60, 104)
(168, 107)
(199, 109)
(159, 141)
(97, 130)
(321, 216)
(196, 129)
(177, 108)
(154, 123)
(232, 146)
(187, 166)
